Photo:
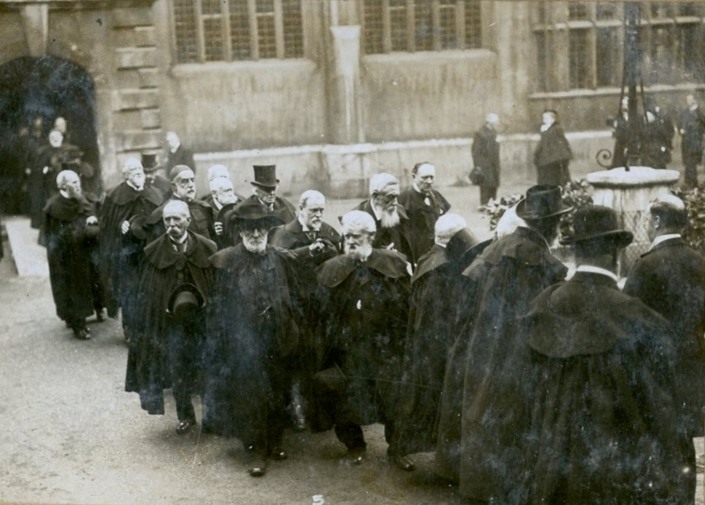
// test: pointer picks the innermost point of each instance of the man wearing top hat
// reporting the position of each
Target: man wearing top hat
(253, 339)
(600, 393)
(480, 411)
(430, 335)
(670, 278)
(265, 186)
(130, 199)
(70, 223)
(152, 177)
(553, 154)
(183, 188)
(169, 331)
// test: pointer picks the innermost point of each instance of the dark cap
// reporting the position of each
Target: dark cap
(252, 214)
(177, 170)
(598, 223)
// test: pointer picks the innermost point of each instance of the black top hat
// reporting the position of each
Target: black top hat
(185, 301)
(598, 223)
(149, 162)
(265, 176)
(250, 214)
(541, 202)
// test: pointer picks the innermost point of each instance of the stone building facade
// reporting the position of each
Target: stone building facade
(334, 90)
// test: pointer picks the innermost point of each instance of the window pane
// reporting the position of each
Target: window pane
(213, 35)
(449, 39)
(210, 6)
(542, 61)
(606, 10)
(660, 10)
(264, 6)
(266, 36)
(423, 17)
(473, 24)
(692, 46)
(579, 59)
(240, 30)
(185, 31)
(397, 25)
(577, 10)
(662, 58)
(373, 32)
(608, 56)
(293, 29)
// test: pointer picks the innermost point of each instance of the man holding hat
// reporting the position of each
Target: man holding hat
(480, 411)
(265, 187)
(670, 278)
(253, 337)
(600, 392)
(151, 175)
(129, 200)
(166, 344)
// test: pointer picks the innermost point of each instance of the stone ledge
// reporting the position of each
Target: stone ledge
(130, 99)
(137, 140)
(135, 57)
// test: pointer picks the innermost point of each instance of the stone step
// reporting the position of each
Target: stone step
(30, 258)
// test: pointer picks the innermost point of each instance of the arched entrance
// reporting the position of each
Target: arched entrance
(46, 88)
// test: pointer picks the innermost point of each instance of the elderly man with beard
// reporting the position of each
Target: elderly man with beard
(430, 335)
(253, 339)
(221, 199)
(313, 242)
(70, 221)
(391, 221)
(481, 407)
(166, 344)
(363, 298)
(128, 200)
(183, 188)
(424, 205)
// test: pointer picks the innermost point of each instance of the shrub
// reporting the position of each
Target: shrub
(694, 232)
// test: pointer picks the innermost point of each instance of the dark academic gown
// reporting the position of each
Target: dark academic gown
(163, 353)
(428, 340)
(69, 257)
(552, 156)
(365, 305)
(122, 203)
(603, 415)
(253, 321)
(485, 154)
(423, 212)
(181, 156)
(35, 183)
(159, 183)
(479, 409)
(670, 279)
(399, 235)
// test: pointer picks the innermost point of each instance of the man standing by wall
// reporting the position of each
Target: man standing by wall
(553, 153)
(485, 157)
(692, 128)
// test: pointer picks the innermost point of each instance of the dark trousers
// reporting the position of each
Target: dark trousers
(691, 161)
(351, 434)
(183, 353)
(487, 193)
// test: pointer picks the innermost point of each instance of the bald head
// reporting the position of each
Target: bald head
(176, 218)
(668, 215)
(446, 226)
(69, 183)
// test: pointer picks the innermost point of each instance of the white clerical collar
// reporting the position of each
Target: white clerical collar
(129, 183)
(378, 215)
(179, 240)
(304, 228)
(663, 238)
(217, 204)
(591, 269)
(64, 194)
(416, 188)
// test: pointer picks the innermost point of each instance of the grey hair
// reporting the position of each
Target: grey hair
(308, 194)
(63, 176)
(358, 220)
(176, 206)
(380, 181)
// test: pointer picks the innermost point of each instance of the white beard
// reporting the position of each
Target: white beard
(389, 219)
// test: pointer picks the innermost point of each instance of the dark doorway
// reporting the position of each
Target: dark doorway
(46, 88)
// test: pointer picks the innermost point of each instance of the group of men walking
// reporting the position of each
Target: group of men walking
(529, 388)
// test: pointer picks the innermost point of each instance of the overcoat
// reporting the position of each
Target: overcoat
(479, 411)
(552, 156)
(423, 212)
(604, 427)
(69, 256)
(692, 123)
(201, 219)
(160, 350)
(670, 278)
(485, 155)
(253, 332)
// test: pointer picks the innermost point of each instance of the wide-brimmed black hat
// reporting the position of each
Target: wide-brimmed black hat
(185, 301)
(598, 223)
(252, 214)
(265, 176)
(149, 162)
(459, 243)
(541, 202)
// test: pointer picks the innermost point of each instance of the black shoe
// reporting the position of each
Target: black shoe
(185, 426)
(81, 333)
(354, 456)
(256, 463)
(400, 461)
(100, 315)
(278, 454)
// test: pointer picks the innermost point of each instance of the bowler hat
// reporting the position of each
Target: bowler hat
(541, 202)
(185, 301)
(251, 213)
(265, 176)
(598, 223)
(149, 162)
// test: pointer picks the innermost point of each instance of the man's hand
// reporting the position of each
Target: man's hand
(125, 227)
(45, 170)
(316, 246)
(218, 227)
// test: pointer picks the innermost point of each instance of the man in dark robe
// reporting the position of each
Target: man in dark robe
(313, 242)
(70, 221)
(479, 410)
(183, 188)
(152, 177)
(429, 334)
(485, 157)
(129, 200)
(670, 278)
(604, 427)
(253, 322)
(47, 165)
(391, 220)
(166, 344)
(36, 142)
(553, 154)
(423, 205)
(177, 154)
(363, 298)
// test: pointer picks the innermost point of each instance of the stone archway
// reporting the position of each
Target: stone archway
(47, 87)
